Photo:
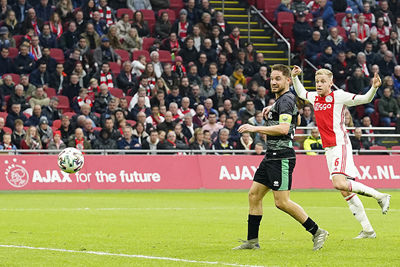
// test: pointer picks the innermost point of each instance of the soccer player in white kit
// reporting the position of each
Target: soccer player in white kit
(329, 110)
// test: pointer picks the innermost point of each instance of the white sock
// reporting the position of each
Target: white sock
(364, 190)
(357, 208)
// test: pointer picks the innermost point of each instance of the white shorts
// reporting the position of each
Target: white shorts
(340, 161)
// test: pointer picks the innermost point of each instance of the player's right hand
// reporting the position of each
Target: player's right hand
(246, 128)
(296, 71)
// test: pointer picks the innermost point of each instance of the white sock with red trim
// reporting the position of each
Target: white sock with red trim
(364, 190)
(357, 208)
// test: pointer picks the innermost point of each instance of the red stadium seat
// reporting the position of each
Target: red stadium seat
(171, 14)
(131, 122)
(377, 148)
(147, 43)
(50, 92)
(128, 98)
(309, 19)
(152, 26)
(284, 17)
(116, 92)
(5, 114)
(70, 114)
(7, 130)
(148, 15)
(13, 52)
(287, 31)
(339, 16)
(18, 40)
(7, 98)
(165, 56)
(360, 110)
(63, 103)
(57, 124)
(136, 54)
(264, 4)
(15, 77)
(269, 7)
(98, 115)
(342, 32)
(122, 11)
(115, 68)
(176, 5)
(123, 54)
(57, 54)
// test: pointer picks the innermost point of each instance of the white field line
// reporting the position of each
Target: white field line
(129, 256)
(168, 208)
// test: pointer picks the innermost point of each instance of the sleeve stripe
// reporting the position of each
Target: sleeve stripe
(307, 95)
(353, 97)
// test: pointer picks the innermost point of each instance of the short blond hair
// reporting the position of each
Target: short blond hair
(324, 72)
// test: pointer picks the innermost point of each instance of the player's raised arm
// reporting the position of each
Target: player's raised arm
(300, 90)
(367, 97)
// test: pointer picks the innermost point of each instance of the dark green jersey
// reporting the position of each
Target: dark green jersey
(283, 110)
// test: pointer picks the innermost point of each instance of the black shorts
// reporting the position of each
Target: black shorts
(276, 174)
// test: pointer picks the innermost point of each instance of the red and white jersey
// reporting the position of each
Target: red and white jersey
(329, 113)
(182, 112)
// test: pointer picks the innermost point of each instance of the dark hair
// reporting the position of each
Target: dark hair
(188, 38)
(282, 68)
(134, 17)
(238, 67)
(213, 64)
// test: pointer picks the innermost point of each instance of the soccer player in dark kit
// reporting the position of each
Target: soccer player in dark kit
(275, 170)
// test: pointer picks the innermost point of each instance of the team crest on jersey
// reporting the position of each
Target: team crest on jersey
(329, 98)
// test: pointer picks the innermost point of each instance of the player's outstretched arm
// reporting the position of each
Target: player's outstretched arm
(275, 130)
(300, 90)
(367, 97)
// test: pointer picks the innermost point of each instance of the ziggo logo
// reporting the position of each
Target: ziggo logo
(319, 106)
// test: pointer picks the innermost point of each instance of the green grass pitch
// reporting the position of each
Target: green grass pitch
(174, 226)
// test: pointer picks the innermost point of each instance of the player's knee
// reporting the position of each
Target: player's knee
(281, 204)
(254, 197)
(339, 184)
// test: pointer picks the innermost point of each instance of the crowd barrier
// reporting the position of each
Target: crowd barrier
(41, 172)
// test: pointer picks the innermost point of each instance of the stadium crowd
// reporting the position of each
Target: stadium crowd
(354, 39)
(128, 75)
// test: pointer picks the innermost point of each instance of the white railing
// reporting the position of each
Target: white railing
(352, 128)
(253, 8)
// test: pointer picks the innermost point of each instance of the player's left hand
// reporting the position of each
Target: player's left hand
(246, 128)
(265, 112)
(376, 81)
